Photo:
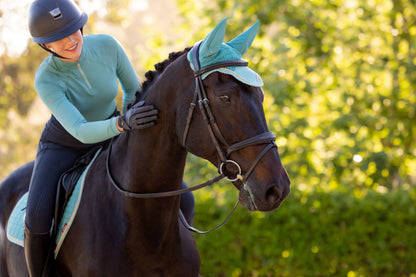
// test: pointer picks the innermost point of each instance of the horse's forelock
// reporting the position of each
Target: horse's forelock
(152, 75)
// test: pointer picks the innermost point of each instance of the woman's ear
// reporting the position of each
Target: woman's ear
(48, 45)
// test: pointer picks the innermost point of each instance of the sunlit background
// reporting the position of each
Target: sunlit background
(13, 22)
(138, 14)
(340, 82)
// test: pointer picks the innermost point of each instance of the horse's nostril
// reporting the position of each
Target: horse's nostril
(273, 194)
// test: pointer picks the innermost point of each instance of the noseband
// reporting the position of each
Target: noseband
(200, 98)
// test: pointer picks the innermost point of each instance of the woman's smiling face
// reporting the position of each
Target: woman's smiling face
(69, 47)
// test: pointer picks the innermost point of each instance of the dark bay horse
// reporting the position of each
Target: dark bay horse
(114, 234)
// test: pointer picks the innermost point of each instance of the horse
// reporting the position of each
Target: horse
(128, 222)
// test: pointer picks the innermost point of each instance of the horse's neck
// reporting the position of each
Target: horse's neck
(153, 160)
(146, 164)
(149, 162)
(150, 159)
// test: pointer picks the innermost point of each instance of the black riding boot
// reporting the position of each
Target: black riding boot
(37, 248)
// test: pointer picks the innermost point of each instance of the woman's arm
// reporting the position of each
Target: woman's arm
(52, 94)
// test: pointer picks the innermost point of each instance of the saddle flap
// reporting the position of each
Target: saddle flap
(68, 181)
(68, 210)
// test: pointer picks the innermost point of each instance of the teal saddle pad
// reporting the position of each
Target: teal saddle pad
(15, 225)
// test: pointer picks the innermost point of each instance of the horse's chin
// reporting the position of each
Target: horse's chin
(246, 200)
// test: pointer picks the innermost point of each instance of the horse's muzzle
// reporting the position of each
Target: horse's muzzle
(265, 197)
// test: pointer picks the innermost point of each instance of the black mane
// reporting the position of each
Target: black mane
(152, 75)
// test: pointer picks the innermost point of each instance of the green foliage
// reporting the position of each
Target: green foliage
(16, 82)
(18, 135)
(18, 143)
(311, 234)
(340, 95)
(117, 11)
(340, 80)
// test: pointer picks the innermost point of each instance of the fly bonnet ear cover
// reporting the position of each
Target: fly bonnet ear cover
(213, 50)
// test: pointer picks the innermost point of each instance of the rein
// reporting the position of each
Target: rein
(200, 98)
(155, 194)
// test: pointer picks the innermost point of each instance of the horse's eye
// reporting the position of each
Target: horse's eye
(225, 98)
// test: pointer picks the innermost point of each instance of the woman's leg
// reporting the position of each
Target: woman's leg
(51, 161)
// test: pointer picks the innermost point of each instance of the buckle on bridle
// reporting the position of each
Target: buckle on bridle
(223, 170)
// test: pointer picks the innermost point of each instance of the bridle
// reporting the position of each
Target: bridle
(200, 98)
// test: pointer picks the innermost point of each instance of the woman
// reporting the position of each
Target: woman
(78, 83)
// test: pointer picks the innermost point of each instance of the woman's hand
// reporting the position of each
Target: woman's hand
(137, 117)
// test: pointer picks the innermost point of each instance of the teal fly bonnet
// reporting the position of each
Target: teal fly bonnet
(213, 50)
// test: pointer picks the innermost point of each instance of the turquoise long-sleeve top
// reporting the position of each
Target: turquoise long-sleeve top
(81, 95)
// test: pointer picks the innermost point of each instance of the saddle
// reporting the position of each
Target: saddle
(69, 191)
(67, 183)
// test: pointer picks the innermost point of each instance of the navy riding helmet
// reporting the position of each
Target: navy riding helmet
(53, 20)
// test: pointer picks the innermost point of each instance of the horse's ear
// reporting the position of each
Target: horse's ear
(243, 41)
(213, 41)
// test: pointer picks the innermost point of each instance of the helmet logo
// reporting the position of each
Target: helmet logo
(56, 14)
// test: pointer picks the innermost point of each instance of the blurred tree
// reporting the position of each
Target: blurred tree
(339, 82)
(16, 83)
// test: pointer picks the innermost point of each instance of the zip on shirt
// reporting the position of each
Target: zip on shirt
(83, 75)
